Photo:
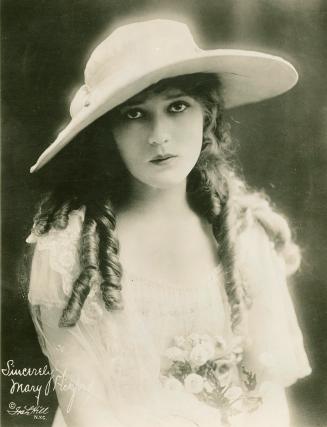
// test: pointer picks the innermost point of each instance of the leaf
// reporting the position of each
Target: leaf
(180, 370)
(250, 380)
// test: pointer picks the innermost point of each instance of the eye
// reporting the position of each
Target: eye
(133, 114)
(178, 107)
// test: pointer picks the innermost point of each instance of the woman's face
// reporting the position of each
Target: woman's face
(159, 136)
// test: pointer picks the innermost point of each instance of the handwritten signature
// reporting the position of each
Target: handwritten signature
(25, 372)
(27, 410)
(59, 381)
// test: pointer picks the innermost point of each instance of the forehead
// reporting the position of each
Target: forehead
(166, 92)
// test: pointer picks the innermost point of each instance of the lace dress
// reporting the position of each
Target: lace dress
(116, 357)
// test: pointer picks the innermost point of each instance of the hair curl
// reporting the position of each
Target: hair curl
(214, 192)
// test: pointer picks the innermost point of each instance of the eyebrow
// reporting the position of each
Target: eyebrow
(176, 94)
(141, 98)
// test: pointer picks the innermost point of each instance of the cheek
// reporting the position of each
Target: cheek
(192, 132)
(126, 143)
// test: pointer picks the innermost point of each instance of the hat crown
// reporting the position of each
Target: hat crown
(138, 43)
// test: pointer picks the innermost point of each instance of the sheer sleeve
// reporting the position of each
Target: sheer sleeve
(275, 345)
(76, 366)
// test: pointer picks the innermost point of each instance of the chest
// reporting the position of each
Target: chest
(168, 253)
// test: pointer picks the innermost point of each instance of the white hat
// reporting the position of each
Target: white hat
(137, 55)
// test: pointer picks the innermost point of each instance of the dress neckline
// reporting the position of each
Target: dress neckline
(129, 276)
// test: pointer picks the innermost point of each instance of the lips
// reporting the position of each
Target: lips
(162, 158)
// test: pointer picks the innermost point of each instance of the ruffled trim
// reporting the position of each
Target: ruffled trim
(56, 266)
(275, 342)
(62, 246)
(248, 209)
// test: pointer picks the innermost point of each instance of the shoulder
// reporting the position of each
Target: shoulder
(259, 228)
(55, 263)
(56, 266)
(71, 233)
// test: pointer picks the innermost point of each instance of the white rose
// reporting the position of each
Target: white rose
(194, 339)
(194, 383)
(206, 339)
(210, 348)
(173, 384)
(175, 354)
(207, 342)
(200, 355)
(180, 341)
(233, 393)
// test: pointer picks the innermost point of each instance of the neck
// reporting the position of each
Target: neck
(144, 200)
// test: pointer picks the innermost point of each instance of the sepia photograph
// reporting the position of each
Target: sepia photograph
(164, 205)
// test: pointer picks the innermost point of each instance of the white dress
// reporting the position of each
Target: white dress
(116, 357)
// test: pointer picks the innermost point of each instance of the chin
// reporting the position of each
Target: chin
(164, 178)
(164, 182)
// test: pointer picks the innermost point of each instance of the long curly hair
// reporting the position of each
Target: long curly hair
(97, 179)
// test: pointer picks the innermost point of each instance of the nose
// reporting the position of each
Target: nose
(159, 133)
(158, 140)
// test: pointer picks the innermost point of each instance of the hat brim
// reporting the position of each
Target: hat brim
(246, 76)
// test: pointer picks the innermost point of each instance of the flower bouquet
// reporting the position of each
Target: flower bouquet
(212, 370)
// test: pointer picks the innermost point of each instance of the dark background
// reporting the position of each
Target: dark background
(282, 145)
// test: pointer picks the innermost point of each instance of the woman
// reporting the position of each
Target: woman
(154, 244)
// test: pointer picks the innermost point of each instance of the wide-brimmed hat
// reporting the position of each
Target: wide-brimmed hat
(137, 55)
